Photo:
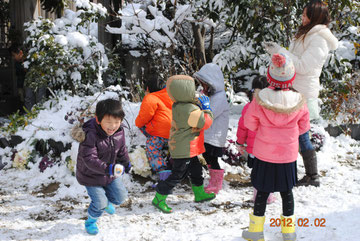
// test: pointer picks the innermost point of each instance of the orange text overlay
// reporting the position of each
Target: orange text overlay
(300, 222)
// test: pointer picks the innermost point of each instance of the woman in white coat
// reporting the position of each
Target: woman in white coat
(309, 51)
(211, 78)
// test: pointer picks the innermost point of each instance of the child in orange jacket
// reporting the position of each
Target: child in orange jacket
(154, 120)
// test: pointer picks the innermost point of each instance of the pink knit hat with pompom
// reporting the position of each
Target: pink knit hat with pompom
(281, 72)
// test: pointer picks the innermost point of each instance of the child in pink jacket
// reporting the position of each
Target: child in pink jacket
(246, 136)
(278, 115)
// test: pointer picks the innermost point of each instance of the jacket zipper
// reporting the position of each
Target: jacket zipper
(112, 150)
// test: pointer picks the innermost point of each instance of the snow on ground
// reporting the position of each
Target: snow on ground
(52, 205)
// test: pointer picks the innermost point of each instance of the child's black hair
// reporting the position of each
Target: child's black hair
(109, 107)
(259, 82)
(153, 84)
(14, 48)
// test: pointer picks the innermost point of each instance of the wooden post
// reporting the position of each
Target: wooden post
(23, 11)
(103, 36)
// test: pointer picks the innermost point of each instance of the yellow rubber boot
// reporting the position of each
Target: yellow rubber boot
(256, 228)
(288, 228)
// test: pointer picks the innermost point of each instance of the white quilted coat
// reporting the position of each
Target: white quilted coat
(309, 56)
(213, 76)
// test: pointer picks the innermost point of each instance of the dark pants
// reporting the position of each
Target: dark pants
(182, 168)
(33, 97)
(211, 155)
(287, 203)
(212, 161)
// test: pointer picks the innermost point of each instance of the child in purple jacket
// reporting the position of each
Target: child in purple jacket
(103, 157)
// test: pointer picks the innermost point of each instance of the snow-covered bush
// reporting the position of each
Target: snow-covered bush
(165, 31)
(47, 141)
(340, 75)
(341, 100)
(65, 53)
(251, 23)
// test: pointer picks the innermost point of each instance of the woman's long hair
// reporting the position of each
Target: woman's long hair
(318, 13)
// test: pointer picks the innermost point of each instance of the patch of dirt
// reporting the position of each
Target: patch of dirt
(70, 200)
(350, 160)
(323, 173)
(2, 192)
(205, 213)
(43, 216)
(3, 201)
(248, 204)
(63, 208)
(237, 180)
(56, 210)
(127, 204)
(226, 206)
(47, 191)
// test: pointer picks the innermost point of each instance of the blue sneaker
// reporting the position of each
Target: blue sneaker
(91, 227)
(110, 209)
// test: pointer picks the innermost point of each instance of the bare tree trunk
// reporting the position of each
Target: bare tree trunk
(199, 38)
(172, 47)
(117, 4)
(210, 51)
(287, 19)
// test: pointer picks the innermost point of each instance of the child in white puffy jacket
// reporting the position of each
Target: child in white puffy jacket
(309, 51)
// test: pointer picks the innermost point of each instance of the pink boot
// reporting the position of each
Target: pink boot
(215, 182)
(271, 198)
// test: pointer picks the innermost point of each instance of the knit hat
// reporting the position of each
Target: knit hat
(281, 72)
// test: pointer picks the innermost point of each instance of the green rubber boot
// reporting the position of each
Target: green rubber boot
(159, 202)
(201, 195)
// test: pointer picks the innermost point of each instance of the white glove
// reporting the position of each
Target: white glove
(118, 170)
(271, 47)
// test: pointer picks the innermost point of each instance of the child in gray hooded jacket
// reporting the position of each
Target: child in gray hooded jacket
(211, 78)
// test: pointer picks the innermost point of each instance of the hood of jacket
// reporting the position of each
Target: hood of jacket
(92, 126)
(325, 32)
(282, 102)
(212, 75)
(181, 88)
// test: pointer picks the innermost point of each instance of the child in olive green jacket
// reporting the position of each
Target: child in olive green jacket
(186, 142)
